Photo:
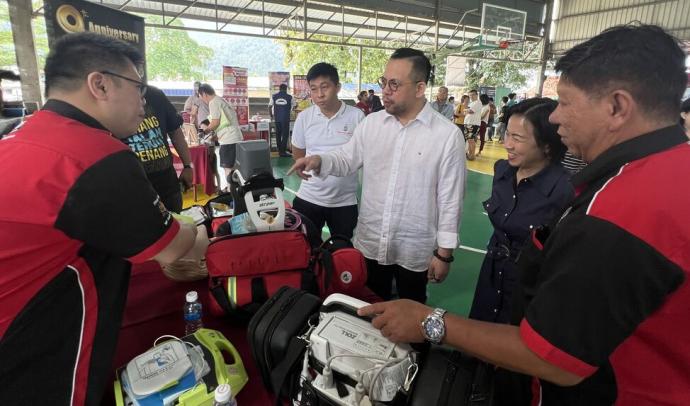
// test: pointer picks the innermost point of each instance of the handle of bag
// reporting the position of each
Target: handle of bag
(335, 237)
(219, 293)
(342, 307)
(326, 257)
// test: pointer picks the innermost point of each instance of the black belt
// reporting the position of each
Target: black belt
(503, 251)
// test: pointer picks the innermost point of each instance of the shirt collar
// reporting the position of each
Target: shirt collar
(67, 110)
(337, 113)
(424, 116)
(628, 151)
(545, 180)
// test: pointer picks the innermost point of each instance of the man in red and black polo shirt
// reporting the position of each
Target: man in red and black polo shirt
(78, 208)
(606, 290)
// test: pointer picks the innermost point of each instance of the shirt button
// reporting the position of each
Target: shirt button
(513, 196)
(495, 310)
(498, 291)
(500, 273)
(505, 215)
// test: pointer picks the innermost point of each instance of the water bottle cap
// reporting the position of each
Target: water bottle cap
(223, 393)
(192, 296)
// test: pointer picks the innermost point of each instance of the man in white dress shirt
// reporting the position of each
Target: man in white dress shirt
(322, 127)
(412, 185)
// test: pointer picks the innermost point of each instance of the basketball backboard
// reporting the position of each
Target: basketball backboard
(501, 26)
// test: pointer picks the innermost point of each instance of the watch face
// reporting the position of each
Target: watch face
(434, 328)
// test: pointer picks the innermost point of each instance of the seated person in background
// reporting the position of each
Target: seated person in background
(529, 189)
(207, 137)
(150, 144)
(81, 211)
(362, 99)
(606, 287)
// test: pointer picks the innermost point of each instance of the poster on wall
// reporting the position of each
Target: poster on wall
(236, 92)
(72, 16)
(275, 79)
(300, 88)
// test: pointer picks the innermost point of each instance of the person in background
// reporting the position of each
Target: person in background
(362, 99)
(150, 144)
(413, 177)
(606, 286)
(81, 212)
(224, 123)
(196, 107)
(326, 125)
(512, 99)
(529, 189)
(485, 112)
(492, 115)
(374, 102)
(503, 114)
(473, 120)
(685, 116)
(280, 107)
(451, 101)
(459, 113)
(441, 104)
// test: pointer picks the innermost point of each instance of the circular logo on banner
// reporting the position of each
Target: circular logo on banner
(70, 19)
(346, 277)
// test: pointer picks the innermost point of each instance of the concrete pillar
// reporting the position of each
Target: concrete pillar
(25, 50)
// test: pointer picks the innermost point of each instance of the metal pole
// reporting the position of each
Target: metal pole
(304, 21)
(359, 71)
(545, 46)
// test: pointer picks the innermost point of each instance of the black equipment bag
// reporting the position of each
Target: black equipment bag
(273, 337)
(449, 377)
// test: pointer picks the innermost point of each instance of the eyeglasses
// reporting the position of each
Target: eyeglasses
(392, 84)
(140, 85)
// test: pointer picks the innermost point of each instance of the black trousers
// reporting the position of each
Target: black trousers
(340, 220)
(410, 284)
(282, 134)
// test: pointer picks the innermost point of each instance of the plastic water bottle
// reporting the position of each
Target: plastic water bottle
(223, 396)
(192, 313)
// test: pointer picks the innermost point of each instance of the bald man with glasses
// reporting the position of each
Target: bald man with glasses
(412, 186)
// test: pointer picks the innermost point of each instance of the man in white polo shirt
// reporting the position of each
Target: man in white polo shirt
(326, 125)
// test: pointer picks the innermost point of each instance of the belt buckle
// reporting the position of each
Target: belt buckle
(502, 251)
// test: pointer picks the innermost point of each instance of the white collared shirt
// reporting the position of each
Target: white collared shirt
(412, 187)
(476, 117)
(316, 133)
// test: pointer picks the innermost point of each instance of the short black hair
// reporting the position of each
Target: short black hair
(205, 88)
(371, 91)
(537, 110)
(451, 98)
(684, 108)
(504, 99)
(484, 99)
(323, 69)
(283, 87)
(205, 122)
(474, 91)
(511, 95)
(643, 59)
(421, 67)
(74, 56)
(491, 99)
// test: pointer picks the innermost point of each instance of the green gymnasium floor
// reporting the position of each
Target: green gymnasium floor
(455, 293)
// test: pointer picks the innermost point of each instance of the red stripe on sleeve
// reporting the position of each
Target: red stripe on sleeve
(553, 355)
(158, 246)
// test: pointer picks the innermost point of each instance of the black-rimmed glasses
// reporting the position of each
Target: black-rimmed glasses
(140, 85)
(392, 84)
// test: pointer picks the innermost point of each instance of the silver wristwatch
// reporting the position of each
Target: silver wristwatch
(434, 327)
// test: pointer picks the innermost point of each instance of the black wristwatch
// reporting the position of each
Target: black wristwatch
(187, 166)
(447, 260)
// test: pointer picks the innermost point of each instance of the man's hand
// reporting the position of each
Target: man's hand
(187, 178)
(438, 270)
(399, 320)
(306, 164)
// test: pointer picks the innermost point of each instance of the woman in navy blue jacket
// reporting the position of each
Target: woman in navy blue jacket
(529, 189)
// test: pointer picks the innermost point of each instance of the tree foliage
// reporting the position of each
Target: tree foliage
(300, 56)
(496, 73)
(172, 55)
(7, 55)
(258, 55)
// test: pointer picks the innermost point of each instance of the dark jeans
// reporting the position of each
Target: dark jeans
(410, 284)
(282, 134)
(482, 135)
(340, 220)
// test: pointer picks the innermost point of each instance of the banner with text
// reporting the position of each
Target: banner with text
(72, 16)
(236, 92)
(300, 89)
(276, 79)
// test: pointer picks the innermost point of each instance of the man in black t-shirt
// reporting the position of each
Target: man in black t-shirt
(150, 143)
